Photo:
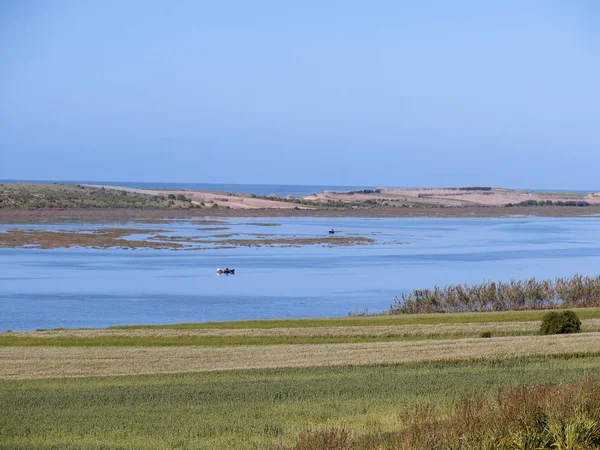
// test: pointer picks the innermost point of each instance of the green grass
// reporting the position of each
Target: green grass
(249, 409)
(381, 320)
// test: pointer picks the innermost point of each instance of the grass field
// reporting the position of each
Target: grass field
(249, 409)
(189, 386)
(220, 337)
(408, 319)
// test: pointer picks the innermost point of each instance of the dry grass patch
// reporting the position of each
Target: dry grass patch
(367, 331)
(46, 362)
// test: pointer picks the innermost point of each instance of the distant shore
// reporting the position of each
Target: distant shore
(38, 203)
(51, 215)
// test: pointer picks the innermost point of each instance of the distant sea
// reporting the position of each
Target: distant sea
(297, 190)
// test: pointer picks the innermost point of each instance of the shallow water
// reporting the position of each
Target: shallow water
(96, 288)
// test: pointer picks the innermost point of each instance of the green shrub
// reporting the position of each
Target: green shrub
(486, 334)
(560, 323)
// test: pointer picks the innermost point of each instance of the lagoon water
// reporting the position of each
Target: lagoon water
(96, 288)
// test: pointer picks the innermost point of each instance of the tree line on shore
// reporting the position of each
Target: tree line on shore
(549, 203)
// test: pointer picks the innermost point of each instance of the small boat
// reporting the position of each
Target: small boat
(227, 271)
(332, 231)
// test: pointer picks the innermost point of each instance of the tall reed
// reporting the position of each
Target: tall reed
(578, 291)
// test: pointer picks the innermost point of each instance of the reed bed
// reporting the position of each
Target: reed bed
(575, 292)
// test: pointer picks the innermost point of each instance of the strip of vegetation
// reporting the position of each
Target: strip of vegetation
(549, 203)
(413, 319)
(51, 362)
(99, 238)
(252, 409)
(262, 224)
(321, 335)
(227, 242)
(575, 292)
(26, 195)
(229, 341)
(543, 417)
(338, 204)
(16, 340)
(360, 191)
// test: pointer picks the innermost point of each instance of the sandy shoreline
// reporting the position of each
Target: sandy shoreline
(23, 216)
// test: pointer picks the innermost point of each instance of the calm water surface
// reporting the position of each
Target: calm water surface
(97, 288)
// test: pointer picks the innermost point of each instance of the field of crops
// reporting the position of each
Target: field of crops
(205, 386)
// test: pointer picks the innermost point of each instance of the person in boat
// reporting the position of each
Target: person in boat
(332, 231)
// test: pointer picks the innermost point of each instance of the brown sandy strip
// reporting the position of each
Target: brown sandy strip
(94, 238)
(383, 331)
(49, 362)
(113, 237)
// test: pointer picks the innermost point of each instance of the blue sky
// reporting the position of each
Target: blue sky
(436, 93)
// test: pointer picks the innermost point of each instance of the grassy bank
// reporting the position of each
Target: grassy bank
(249, 409)
(153, 337)
(412, 319)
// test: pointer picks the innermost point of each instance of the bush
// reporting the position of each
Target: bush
(181, 198)
(543, 417)
(560, 323)
(486, 334)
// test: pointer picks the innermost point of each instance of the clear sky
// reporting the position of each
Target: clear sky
(437, 93)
